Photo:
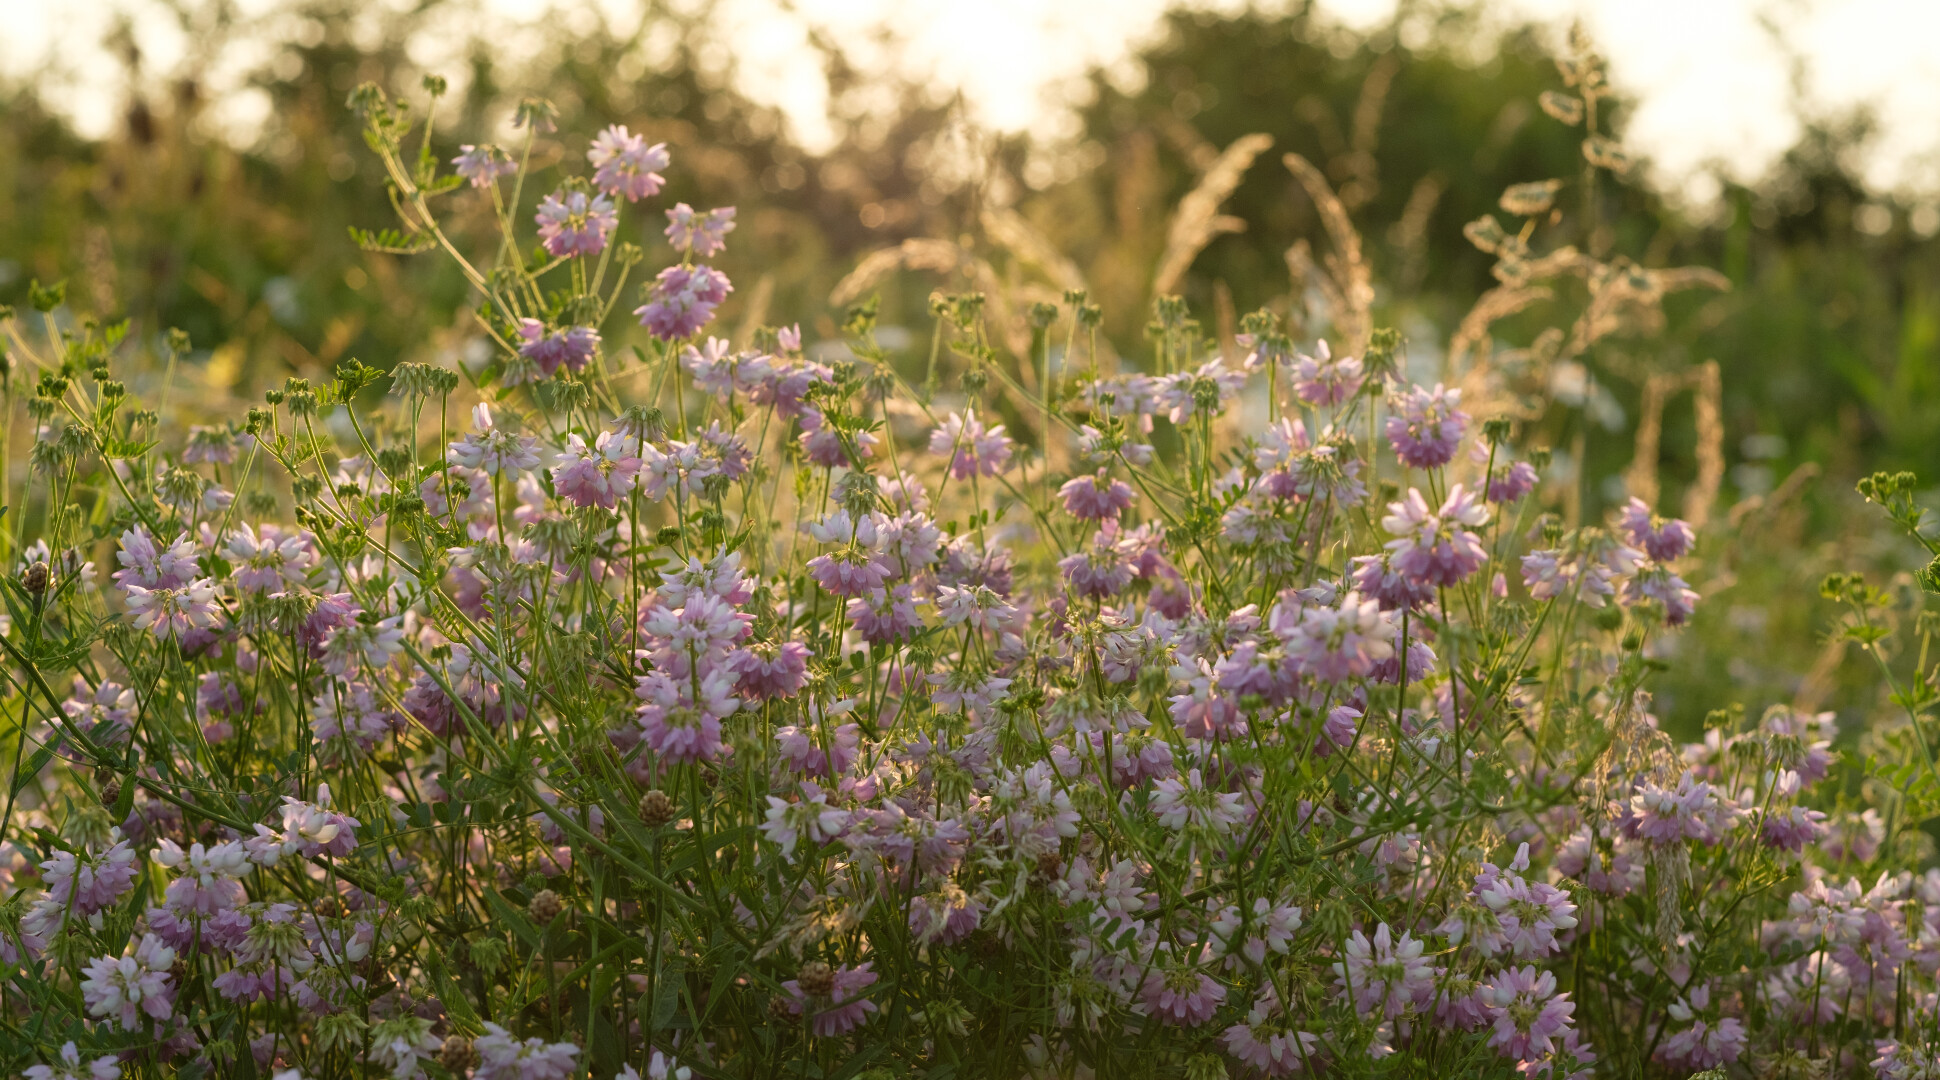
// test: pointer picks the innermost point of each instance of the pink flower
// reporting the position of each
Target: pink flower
(1268, 926)
(574, 223)
(101, 1068)
(1705, 1044)
(971, 448)
(1267, 1041)
(1101, 570)
(704, 235)
(975, 606)
(492, 449)
(356, 644)
(1182, 997)
(850, 571)
(676, 724)
(843, 1010)
(883, 616)
(1793, 829)
(1337, 731)
(820, 750)
(1336, 644)
(136, 983)
(682, 300)
(771, 671)
(1673, 592)
(1322, 380)
(1435, 548)
(1095, 498)
(1526, 1012)
(175, 612)
(1426, 427)
(152, 567)
(1570, 1059)
(1385, 976)
(1512, 484)
(502, 1057)
(1375, 577)
(1188, 803)
(808, 816)
(624, 165)
(599, 475)
(569, 347)
(944, 917)
(1691, 811)
(483, 165)
(1662, 540)
(91, 883)
(267, 560)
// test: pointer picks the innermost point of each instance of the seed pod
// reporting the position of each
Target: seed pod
(817, 979)
(656, 809)
(1049, 865)
(457, 1054)
(545, 906)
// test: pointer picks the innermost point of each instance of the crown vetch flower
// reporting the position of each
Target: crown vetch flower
(703, 235)
(973, 450)
(136, 983)
(1436, 548)
(682, 300)
(1426, 427)
(575, 223)
(1383, 976)
(481, 166)
(625, 166)
(1527, 1016)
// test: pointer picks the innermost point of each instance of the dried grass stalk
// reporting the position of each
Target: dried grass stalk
(1353, 282)
(1198, 219)
(1009, 229)
(1641, 478)
(945, 257)
(1707, 386)
(1496, 304)
(1710, 444)
(756, 311)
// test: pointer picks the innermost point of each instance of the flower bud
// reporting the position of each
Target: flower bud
(34, 579)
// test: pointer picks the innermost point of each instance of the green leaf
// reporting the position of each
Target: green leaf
(31, 769)
(513, 917)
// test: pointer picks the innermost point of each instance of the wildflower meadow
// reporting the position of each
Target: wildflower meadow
(647, 696)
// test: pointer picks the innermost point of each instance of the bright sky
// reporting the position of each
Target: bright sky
(1713, 78)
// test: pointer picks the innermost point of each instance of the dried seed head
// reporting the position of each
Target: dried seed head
(457, 1054)
(545, 906)
(1049, 865)
(816, 979)
(111, 793)
(780, 1008)
(656, 809)
(34, 579)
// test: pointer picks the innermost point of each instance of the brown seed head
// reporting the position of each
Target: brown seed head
(34, 579)
(816, 979)
(457, 1054)
(545, 906)
(656, 809)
